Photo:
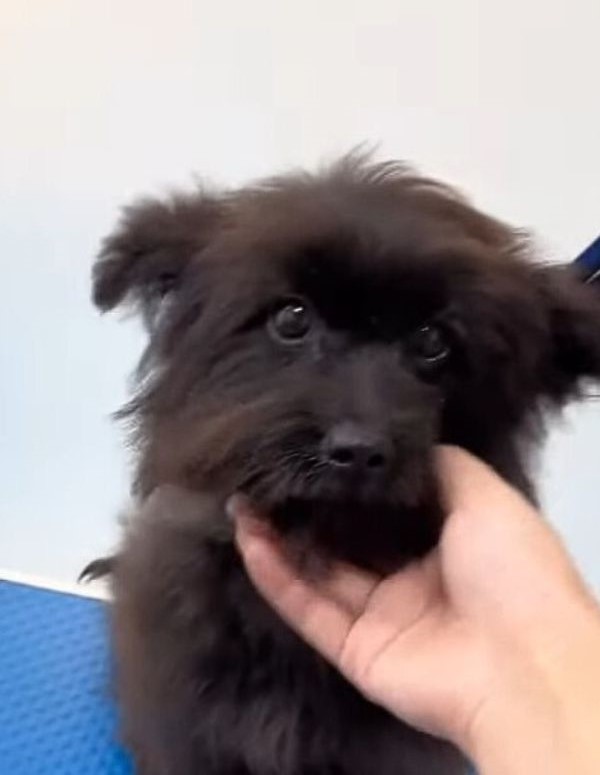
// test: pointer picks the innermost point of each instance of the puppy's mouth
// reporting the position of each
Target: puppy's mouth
(377, 523)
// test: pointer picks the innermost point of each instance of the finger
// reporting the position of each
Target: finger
(351, 587)
(488, 521)
(492, 522)
(470, 485)
(319, 619)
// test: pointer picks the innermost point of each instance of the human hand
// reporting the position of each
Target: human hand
(477, 640)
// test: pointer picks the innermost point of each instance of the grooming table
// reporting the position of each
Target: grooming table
(56, 713)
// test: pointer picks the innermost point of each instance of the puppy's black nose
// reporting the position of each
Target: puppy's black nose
(356, 449)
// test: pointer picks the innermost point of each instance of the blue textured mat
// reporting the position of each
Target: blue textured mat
(56, 714)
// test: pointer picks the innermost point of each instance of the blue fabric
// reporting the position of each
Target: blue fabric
(56, 713)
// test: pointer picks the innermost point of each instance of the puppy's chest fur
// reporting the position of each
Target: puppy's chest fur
(211, 676)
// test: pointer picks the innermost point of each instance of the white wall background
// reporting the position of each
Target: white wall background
(103, 99)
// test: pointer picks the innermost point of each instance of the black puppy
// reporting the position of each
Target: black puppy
(311, 339)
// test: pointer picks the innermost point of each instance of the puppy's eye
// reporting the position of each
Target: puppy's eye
(430, 345)
(291, 321)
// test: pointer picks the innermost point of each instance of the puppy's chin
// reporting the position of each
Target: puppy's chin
(373, 534)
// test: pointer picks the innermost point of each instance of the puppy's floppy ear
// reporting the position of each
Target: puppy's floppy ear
(148, 254)
(574, 318)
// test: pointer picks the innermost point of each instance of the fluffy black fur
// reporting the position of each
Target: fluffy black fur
(311, 339)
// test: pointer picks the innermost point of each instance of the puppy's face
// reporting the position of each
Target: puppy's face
(313, 339)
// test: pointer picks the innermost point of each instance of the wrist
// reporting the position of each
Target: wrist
(542, 713)
(514, 731)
